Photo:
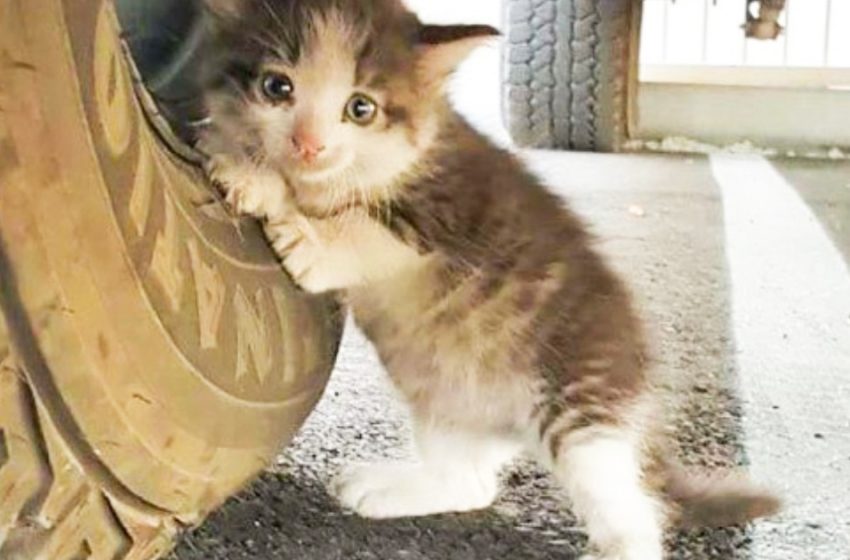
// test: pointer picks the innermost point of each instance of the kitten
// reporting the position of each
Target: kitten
(494, 316)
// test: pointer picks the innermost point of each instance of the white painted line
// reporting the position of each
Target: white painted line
(791, 320)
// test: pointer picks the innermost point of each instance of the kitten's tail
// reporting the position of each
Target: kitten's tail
(719, 500)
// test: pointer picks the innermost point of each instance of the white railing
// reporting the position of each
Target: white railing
(702, 42)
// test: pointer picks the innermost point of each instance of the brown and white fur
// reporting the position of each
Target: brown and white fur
(494, 316)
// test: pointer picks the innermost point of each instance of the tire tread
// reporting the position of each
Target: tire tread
(567, 71)
(49, 508)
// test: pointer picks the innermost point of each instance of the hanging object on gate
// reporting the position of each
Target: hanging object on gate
(763, 19)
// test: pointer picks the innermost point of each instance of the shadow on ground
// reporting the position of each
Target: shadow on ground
(281, 517)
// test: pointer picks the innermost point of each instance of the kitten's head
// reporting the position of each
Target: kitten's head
(343, 97)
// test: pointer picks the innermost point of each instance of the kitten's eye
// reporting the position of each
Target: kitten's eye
(361, 110)
(277, 87)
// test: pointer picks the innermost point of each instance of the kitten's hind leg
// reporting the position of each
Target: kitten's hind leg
(458, 472)
(601, 471)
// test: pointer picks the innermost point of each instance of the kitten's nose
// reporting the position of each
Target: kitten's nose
(307, 147)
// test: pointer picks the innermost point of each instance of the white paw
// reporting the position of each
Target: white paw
(306, 248)
(373, 491)
(298, 244)
(249, 190)
(385, 491)
(304, 264)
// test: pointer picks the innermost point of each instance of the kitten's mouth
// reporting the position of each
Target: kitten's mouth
(316, 172)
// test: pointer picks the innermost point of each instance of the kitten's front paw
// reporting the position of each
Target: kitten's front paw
(299, 246)
(248, 190)
(384, 491)
(380, 491)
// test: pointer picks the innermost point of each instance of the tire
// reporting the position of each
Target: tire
(569, 71)
(153, 356)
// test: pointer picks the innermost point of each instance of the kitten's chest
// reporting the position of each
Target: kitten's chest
(450, 357)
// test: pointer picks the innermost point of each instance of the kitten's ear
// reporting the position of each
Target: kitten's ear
(443, 47)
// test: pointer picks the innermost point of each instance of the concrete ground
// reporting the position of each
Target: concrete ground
(740, 268)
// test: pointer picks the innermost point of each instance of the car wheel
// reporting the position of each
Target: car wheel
(153, 356)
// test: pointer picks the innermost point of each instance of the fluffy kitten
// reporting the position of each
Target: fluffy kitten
(492, 313)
